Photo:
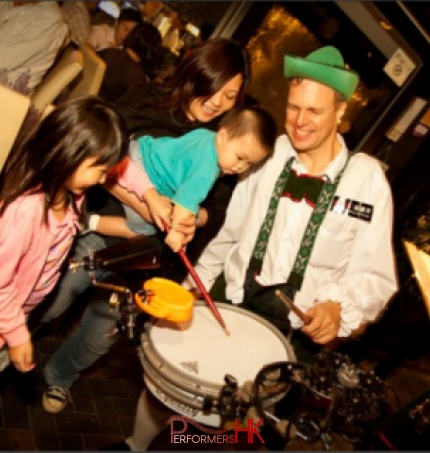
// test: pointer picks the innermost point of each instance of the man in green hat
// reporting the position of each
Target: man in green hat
(314, 222)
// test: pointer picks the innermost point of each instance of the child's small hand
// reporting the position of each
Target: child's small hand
(187, 226)
(174, 240)
(159, 207)
(22, 356)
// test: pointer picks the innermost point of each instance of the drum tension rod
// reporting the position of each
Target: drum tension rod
(130, 308)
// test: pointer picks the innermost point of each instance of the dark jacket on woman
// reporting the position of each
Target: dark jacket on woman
(141, 120)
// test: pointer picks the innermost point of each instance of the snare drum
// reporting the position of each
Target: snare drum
(185, 364)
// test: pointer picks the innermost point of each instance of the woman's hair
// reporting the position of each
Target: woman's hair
(130, 15)
(145, 40)
(204, 71)
(73, 132)
(254, 120)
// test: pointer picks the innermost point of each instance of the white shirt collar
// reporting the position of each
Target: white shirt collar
(333, 168)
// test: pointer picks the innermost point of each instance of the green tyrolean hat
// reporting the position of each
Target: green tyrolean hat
(326, 66)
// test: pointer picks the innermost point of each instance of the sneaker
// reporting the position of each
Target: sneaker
(55, 399)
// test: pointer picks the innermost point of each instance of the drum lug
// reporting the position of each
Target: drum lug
(231, 404)
(207, 405)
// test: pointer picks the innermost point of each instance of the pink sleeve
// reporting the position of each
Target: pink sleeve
(133, 177)
(16, 227)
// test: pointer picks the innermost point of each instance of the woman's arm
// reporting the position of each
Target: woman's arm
(130, 199)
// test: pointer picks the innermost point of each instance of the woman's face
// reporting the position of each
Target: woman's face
(223, 100)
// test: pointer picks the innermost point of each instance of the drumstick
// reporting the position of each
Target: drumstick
(290, 304)
(202, 289)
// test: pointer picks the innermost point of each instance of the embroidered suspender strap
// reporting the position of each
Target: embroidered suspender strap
(260, 247)
(308, 240)
(324, 201)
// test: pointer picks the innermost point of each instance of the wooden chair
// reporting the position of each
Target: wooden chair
(13, 109)
(91, 77)
(60, 77)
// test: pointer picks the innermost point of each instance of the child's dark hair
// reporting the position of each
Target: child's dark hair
(251, 120)
(74, 131)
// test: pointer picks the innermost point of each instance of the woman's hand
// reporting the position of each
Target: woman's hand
(159, 207)
(22, 356)
(202, 218)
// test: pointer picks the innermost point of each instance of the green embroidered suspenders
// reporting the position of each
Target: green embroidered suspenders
(323, 203)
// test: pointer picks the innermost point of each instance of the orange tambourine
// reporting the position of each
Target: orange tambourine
(165, 299)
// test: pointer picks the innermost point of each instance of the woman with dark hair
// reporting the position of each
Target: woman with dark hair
(207, 83)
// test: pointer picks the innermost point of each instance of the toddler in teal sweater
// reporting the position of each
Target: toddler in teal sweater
(184, 169)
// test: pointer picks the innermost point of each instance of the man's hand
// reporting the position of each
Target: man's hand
(325, 322)
(22, 356)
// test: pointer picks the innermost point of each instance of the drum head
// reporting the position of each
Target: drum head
(201, 349)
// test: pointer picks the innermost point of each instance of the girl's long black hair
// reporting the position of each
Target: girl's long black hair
(48, 155)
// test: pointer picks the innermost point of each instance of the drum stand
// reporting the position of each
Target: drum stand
(140, 253)
(335, 396)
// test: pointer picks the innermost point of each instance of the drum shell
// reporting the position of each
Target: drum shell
(185, 393)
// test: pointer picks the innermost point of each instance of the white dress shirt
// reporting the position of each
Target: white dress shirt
(352, 261)
(30, 38)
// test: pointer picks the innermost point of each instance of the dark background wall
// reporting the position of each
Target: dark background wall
(200, 12)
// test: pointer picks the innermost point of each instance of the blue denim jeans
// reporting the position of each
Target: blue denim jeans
(88, 342)
(74, 283)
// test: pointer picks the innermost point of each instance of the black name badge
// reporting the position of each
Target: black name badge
(353, 208)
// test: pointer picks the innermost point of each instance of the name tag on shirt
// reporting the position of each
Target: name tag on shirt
(353, 208)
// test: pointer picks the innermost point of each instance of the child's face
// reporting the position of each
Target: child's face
(237, 155)
(86, 175)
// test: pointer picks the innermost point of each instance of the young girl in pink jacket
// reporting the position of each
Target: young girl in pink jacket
(42, 187)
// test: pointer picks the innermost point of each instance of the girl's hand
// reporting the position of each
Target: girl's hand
(22, 356)
(174, 240)
(159, 207)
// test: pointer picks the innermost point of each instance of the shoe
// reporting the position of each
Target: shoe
(55, 399)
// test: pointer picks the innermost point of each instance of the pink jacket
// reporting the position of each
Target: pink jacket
(24, 244)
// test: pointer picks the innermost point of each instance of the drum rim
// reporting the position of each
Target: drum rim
(202, 387)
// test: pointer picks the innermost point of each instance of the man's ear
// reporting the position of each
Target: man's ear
(340, 111)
